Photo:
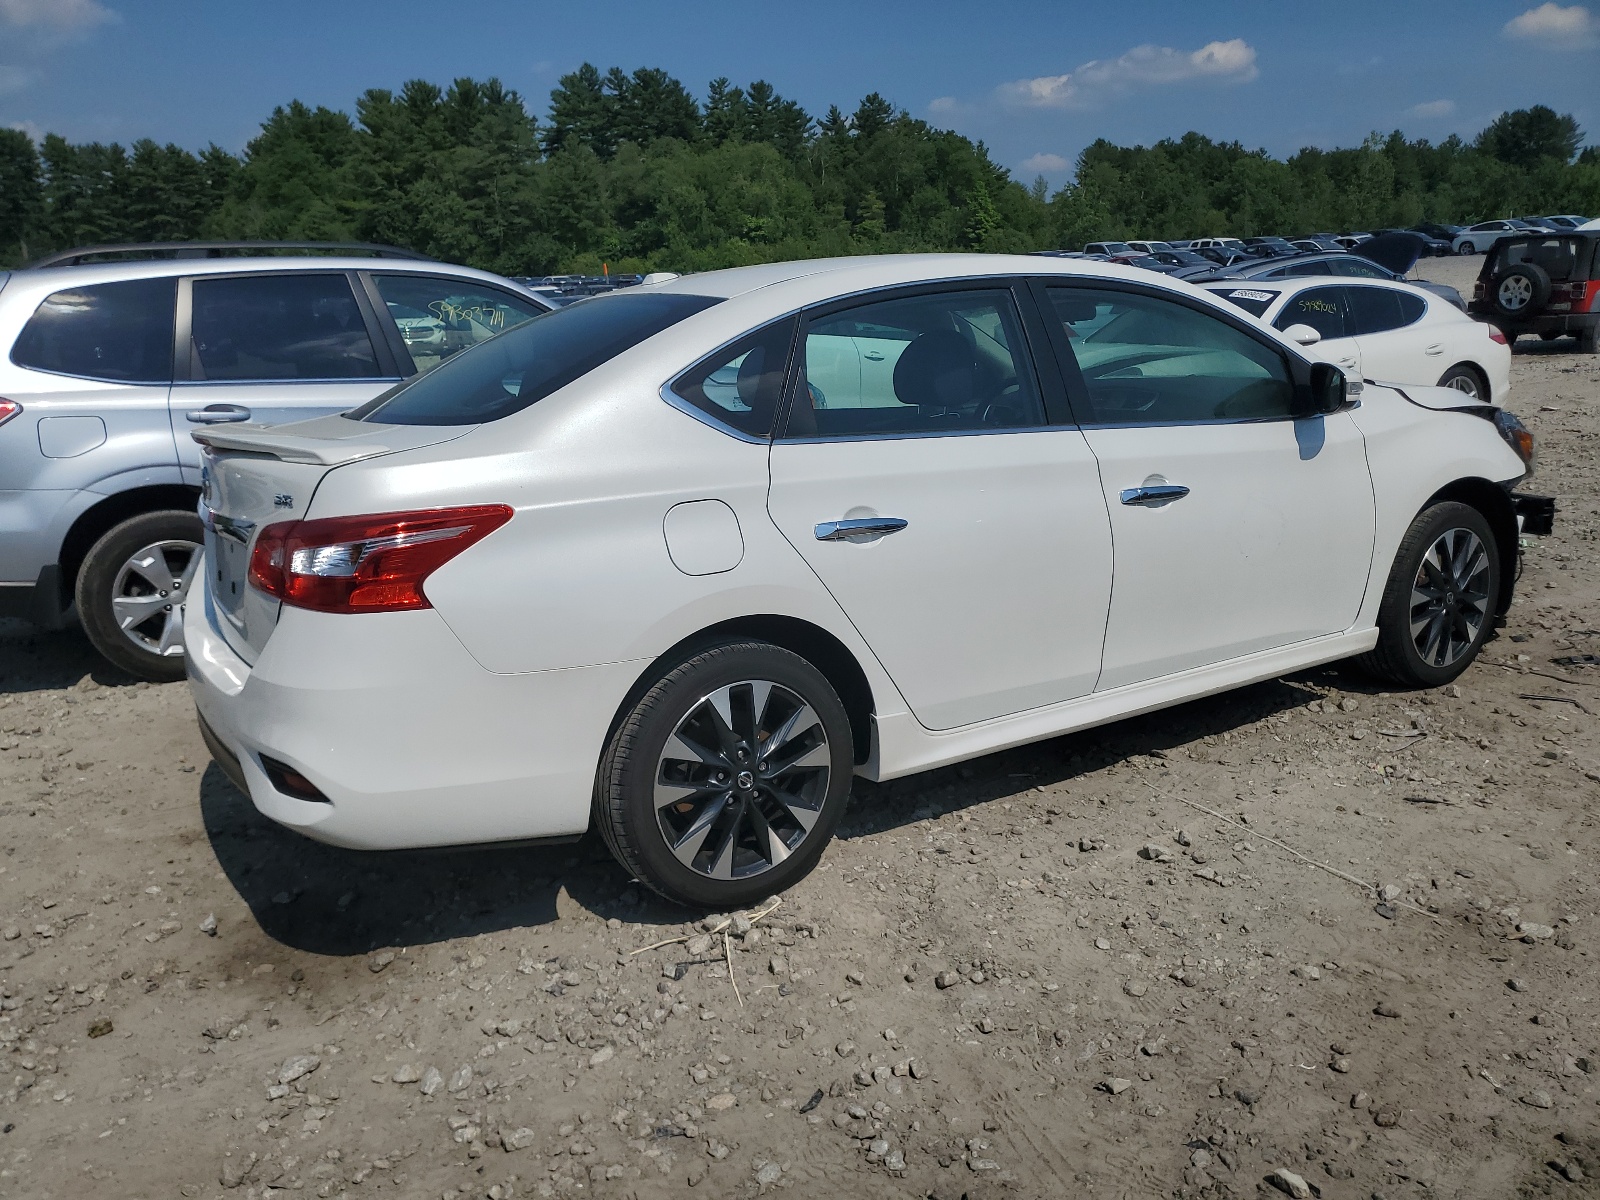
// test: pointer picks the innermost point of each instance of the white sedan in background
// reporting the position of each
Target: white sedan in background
(682, 560)
(1478, 238)
(1391, 332)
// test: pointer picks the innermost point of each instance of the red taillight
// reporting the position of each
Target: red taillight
(372, 563)
(8, 409)
(1497, 335)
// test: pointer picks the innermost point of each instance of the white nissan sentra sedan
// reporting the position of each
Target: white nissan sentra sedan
(683, 559)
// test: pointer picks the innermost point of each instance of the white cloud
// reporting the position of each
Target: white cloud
(35, 132)
(1432, 108)
(1557, 28)
(943, 104)
(1232, 61)
(1044, 163)
(58, 15)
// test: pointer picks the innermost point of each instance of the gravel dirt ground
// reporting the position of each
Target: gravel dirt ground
(1051, 972)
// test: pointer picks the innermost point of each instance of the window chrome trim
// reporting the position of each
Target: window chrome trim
(288, 381)
(705, 418)
(918, 434)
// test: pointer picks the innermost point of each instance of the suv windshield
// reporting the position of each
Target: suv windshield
(509, 372)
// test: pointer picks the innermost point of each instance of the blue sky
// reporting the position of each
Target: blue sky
(1035, 80)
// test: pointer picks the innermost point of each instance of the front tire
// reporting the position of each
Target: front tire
(1468, 248)
(725, 782)
(130, 588)
(1438, 606)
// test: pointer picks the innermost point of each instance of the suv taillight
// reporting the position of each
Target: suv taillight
(8, 409)
(371, 563)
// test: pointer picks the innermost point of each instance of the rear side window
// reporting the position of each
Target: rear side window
(1320, 267)
(1372, 310)
(508, 373)
(1322, 308)
(116, 331)
(300, 326)
(741, 385)
(1360, 268)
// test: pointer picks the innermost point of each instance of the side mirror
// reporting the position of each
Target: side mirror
(1302, 335)
(1328, 388)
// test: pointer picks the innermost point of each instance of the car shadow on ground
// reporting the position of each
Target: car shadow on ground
(326, 900)
(1012, 773)
(36, 660)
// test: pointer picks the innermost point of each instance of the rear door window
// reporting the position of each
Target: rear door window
(1372, 310)
(1360, 268)
(506, 374)
(265, 327)
(438, 316)
(1322, 308)
(116, 331)
(1320, 267)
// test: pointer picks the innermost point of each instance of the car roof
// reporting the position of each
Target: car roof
(45, 280)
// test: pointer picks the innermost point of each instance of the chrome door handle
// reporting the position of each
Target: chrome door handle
(838, 531)
(1154, 495)
(218, 414)
(872, 356)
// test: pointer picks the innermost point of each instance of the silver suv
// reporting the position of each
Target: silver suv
(106, 366)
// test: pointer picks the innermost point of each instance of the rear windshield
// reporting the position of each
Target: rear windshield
(509, 372)
(1562, 258)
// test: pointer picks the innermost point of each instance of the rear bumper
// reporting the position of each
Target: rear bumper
(1543, 322)
(411, 741)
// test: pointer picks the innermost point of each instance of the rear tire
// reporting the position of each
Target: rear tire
(1438, 606)
(1466, 379)
(725, 782)
(129, 590)
(1589, 340)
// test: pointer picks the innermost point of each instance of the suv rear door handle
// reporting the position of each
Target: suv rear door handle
(218, 414)
(1153, 495)
(838, 531)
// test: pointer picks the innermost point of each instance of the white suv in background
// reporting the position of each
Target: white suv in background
(106, 367)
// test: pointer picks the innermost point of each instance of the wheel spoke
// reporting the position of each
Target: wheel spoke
(150, 565)
(136, 610)
(767, 837)
(171, 634)
(686, 848)
(803, 814)
(681, 748)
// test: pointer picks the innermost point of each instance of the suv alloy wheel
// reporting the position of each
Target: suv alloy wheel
(130, 591)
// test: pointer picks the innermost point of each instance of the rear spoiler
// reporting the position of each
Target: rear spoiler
(261, 439)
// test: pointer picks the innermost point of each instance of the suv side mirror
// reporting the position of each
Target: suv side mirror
(1328, 388)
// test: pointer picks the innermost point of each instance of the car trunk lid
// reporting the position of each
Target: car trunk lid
(255, 476)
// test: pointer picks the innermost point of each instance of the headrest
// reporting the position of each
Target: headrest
(936, 370)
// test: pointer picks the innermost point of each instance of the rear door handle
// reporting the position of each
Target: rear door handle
(218, 414)
(838, 531)
(1153, 495)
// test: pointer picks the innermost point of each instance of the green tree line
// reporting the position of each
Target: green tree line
(633, 171)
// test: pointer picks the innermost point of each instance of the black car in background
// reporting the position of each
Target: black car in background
(1269, 247)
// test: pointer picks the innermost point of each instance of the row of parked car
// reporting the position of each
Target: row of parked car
(445, 564)
(114, 356)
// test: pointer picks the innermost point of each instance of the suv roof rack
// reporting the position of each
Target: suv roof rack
(134, 251)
